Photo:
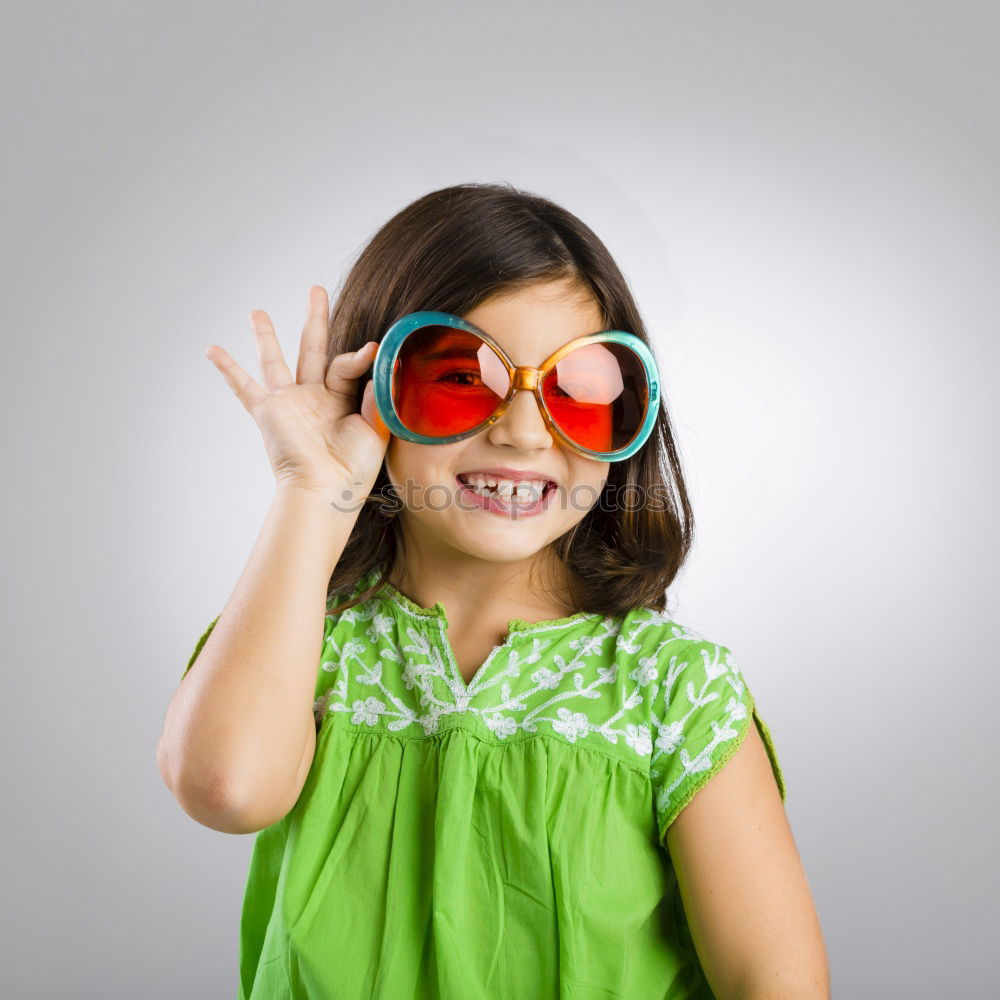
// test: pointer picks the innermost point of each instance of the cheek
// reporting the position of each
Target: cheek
(421, 465)
(587, 484)
(592, 475)
(403, 460)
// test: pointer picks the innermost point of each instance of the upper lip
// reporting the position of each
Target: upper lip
(516, 475)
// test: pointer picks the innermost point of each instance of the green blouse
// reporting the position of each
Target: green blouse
(502, 838)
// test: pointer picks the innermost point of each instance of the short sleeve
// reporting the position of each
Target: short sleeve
(201, 642)
(701, 714)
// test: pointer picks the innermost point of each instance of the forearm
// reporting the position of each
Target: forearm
(238, 724)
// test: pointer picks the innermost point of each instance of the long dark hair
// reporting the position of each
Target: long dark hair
(450, 250)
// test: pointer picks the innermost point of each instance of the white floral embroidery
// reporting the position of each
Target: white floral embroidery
(646, 672)
(561, 676)
(703, 686)
(502, 725)
(390, 666)
(545, 678)
(668, 737)
(637, 737)
(367, 711)
(572, 724)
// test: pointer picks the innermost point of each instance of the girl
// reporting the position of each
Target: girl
(513, 774)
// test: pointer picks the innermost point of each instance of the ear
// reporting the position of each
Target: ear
(369, 410)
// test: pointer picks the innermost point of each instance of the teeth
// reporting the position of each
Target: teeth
(524, 491)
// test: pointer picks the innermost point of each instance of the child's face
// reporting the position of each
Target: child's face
(529, 324)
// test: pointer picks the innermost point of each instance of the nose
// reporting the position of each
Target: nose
(522, 426)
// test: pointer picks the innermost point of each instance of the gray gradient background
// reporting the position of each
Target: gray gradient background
(803, 198)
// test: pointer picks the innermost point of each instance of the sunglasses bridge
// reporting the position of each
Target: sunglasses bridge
(525, 377)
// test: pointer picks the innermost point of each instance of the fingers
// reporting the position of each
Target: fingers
(315, 334)
(246, 389)
(272, 364)
(345, 369)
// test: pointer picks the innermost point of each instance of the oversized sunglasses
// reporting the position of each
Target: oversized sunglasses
(439, 378)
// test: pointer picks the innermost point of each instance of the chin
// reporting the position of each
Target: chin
(504, 549)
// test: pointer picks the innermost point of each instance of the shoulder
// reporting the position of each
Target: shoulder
(677, 665)
(700, 711)
(697, 687)
(655, 639)
(362, 610)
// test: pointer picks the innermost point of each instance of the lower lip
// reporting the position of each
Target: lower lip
(494, 505)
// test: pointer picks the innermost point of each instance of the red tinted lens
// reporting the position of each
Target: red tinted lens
(598, 395)
(446, 381)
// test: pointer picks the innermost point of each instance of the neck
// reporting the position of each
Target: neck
(473, 589)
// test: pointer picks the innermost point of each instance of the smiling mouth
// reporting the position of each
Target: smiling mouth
(506, 491)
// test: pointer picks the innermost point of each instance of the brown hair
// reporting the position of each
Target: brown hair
(450, 250)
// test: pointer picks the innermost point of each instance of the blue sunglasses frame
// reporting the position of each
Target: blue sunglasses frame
(521, 377)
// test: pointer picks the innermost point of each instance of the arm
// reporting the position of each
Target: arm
(743, 887)
(239, 733)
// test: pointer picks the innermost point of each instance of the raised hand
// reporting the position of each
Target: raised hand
(314, 435)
